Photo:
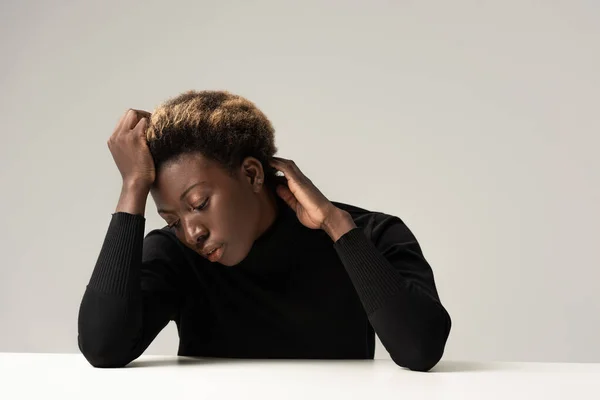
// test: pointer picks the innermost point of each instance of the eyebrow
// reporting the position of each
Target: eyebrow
(185, 192)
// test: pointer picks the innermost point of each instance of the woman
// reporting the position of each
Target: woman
(251, 264)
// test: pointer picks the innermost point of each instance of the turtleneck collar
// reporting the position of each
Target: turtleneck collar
(273, 247)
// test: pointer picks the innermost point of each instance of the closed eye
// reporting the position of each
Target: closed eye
(199, 208)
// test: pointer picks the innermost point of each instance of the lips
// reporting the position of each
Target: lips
(207, 252)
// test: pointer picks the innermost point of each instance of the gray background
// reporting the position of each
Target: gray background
(476, 122)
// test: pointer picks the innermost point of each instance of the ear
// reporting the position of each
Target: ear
(252, 170)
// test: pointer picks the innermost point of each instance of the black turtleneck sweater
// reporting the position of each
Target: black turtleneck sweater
(297, 294)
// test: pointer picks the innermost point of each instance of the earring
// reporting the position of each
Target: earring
(258, 184)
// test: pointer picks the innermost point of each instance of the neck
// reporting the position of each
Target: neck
(269, 209)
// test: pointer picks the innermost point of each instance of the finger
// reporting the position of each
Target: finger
(285, 193)
(121, 121)
(281, 165)
(283, 162)
(281, 180)
(291, 170)
(141, 126)
(294, 167)
(132, 118)
(127, 119)
(143, 113)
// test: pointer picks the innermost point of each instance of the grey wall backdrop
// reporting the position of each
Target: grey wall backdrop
(475, 122)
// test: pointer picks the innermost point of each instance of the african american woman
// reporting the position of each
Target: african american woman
(254, 262)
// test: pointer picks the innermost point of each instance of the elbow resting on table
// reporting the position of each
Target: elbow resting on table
(421, 360)
(103, 358)
(106, 362)
(421, 352)
(430, 350)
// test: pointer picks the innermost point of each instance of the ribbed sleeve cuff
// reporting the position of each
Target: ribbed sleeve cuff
(374, 278)
(120, 253)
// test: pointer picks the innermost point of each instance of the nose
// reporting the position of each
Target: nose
(194, 234)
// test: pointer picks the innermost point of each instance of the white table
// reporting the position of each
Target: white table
(69, 376)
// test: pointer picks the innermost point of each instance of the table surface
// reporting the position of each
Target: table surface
(42, 375)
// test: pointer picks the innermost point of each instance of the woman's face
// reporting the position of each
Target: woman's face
(208, 208)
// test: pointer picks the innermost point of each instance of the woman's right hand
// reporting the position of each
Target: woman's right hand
(130, 150)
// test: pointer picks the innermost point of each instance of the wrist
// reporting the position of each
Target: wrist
(133, 197)
(337, 223)
(136, 185)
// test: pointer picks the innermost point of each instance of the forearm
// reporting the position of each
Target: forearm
(111, 308)
(406, 315)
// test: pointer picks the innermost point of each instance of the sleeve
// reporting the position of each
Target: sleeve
(132, 294)
(397, 289)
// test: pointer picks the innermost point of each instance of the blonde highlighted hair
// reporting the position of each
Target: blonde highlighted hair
(222, 126)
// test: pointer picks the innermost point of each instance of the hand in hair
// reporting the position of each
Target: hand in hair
(312, 208)
(130, 150)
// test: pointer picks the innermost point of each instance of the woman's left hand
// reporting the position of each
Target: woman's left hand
(312, 208)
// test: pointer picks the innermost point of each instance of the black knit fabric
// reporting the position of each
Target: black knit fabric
(296, 295)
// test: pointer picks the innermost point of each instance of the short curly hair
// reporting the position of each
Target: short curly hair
(221, 126)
